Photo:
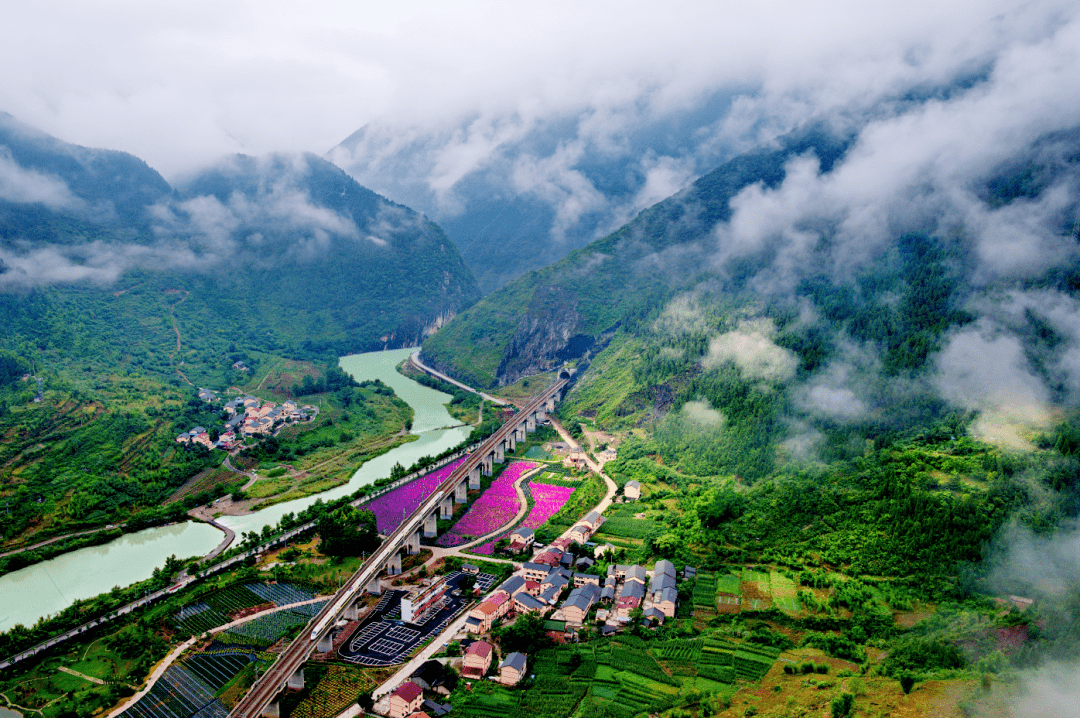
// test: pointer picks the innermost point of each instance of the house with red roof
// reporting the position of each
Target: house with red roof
(405, 700)
(477, 660)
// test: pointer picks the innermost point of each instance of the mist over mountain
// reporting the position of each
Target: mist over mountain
(884, 263)
(516, 194)
(284, 246)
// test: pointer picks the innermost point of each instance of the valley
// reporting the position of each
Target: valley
(616, 398)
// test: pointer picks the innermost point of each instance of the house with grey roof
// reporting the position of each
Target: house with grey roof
(512, 669)
(576, 607)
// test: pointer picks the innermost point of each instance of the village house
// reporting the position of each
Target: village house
(512, 669)
(513, 585)
(630, 596)
(524, 603)
(495, 606)
(521, 539)
(550, 595)
(632, 490)
(593, 520)
(477, 660)
(580, 579)
(535, 571)
(432, 676)
(576, 607)
(667, 601)
(405, 700)
(580, 533)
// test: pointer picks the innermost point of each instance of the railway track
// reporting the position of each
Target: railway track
(262, 693)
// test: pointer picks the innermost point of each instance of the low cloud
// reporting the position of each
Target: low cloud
(1051, 692)
(702, 413)
(750, 347)
(26, 186)
(986, 369)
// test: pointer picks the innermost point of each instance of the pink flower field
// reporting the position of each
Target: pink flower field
(388, 508)
(548, 500)
(494, 508)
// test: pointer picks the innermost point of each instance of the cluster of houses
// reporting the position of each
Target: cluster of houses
(570, 596)
(408, 700)
(245, 417)
(556, 586)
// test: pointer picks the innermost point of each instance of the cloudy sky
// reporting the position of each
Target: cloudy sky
(181, 83)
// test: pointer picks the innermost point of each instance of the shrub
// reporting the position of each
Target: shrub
(842, 705)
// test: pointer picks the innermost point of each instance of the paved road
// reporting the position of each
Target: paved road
(265, 689)
(415, 359)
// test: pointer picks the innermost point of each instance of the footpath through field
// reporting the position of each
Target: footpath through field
(159, 670)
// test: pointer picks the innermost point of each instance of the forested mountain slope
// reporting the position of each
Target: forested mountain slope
(120, 295)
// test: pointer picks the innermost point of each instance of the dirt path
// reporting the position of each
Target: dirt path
(176, 329)
(72, 672)
(169, 659)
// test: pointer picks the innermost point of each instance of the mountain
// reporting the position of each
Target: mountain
(516, 194)
(121, 294)
(281, 253)
(559, 313)
(812, 295)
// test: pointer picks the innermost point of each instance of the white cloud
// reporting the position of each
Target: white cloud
(21, 185)
(182, 83)
(750, 347)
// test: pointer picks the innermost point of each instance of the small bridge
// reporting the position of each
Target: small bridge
(288, 668)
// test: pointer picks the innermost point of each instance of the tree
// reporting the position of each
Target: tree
(347, 531)
(526, 635)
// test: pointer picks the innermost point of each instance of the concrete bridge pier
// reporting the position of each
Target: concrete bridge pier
(461, 494)
(499, 456)
(530, 423)
(540, 416)
(511, 441)
(474, 477)
(352, 611)
(446, 508)
(412, 544)
(549, 404)
(488, 464)
(519, 432)
(374, 586)
(296, 680)
(431, 527)
(272, 711)
(393, 568)
(325, 644)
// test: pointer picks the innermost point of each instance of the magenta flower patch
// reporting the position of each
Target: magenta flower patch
(494, 508)
(391, 508)
(548, 500)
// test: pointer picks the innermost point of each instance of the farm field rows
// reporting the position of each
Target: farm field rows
(624, 676)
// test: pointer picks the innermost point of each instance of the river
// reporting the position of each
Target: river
(50, 586)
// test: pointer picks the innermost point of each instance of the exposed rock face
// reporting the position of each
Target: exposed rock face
(546, 335)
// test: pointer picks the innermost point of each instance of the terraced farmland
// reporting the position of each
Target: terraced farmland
(218, 608)
(335, 691)
(263, 631)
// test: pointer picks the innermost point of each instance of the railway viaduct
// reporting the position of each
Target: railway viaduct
(287, 671)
